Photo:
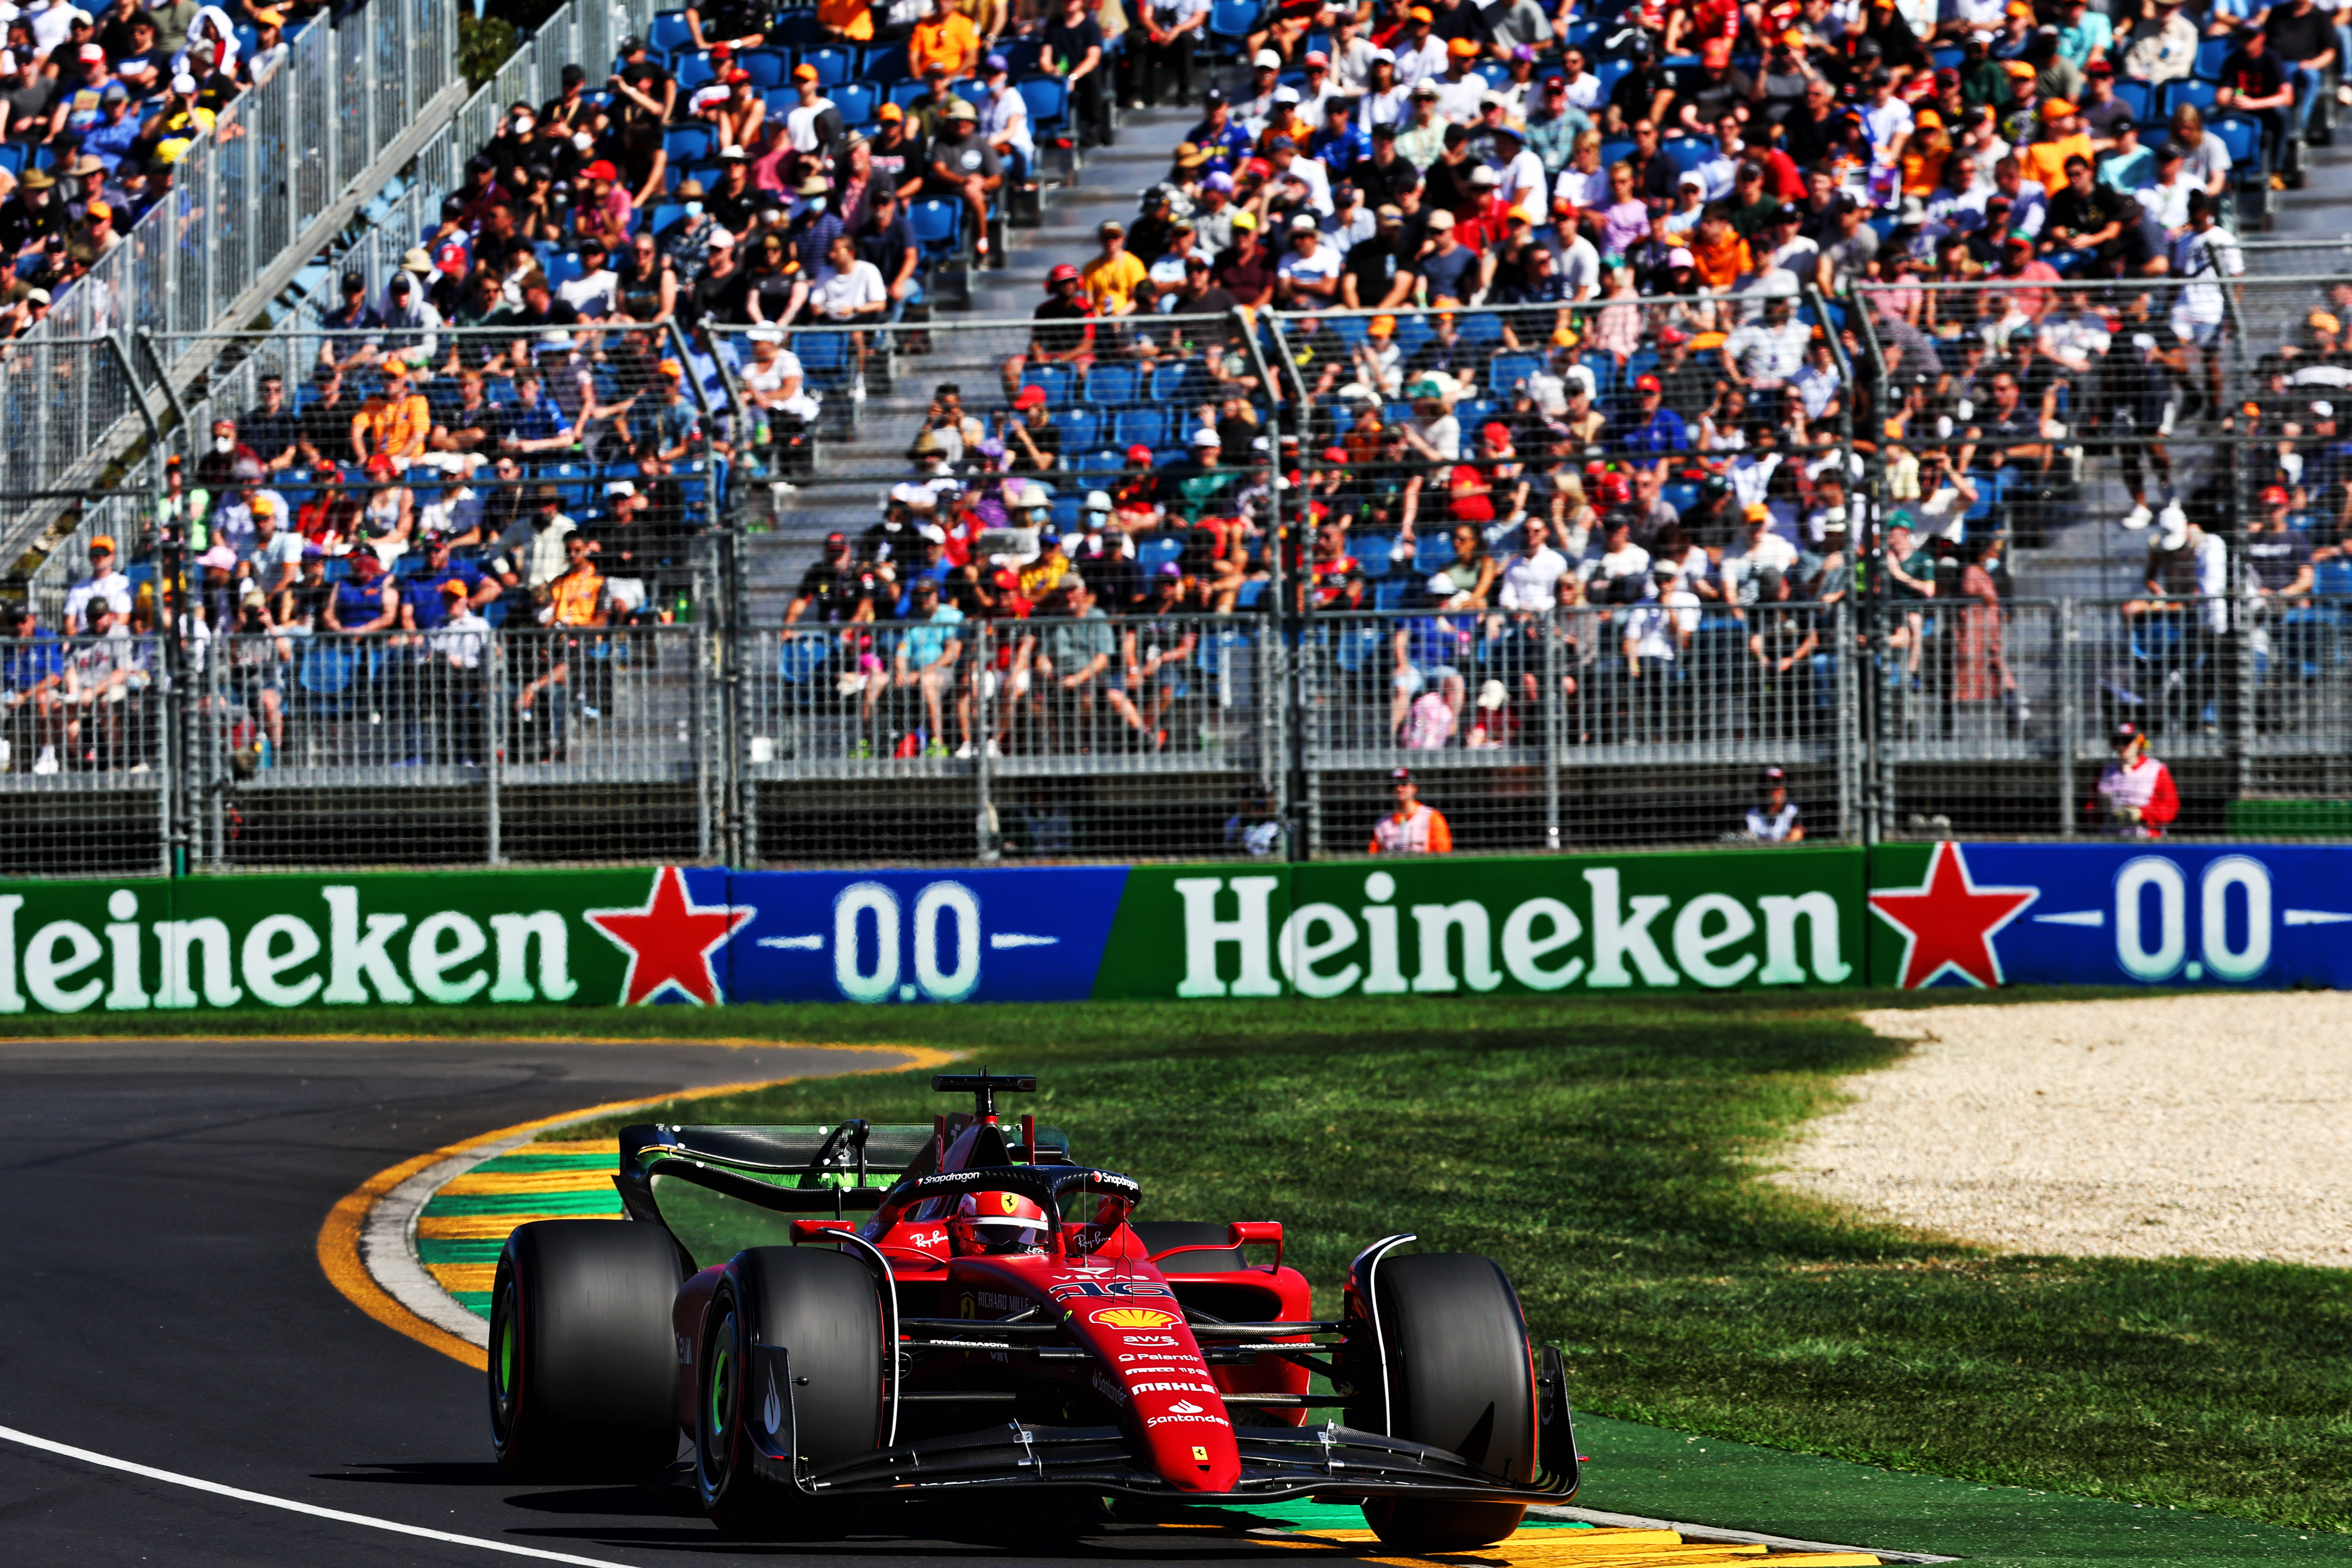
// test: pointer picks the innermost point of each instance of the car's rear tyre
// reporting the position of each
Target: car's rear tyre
(1460, 1377)
(824, 1310)
(583, 1370)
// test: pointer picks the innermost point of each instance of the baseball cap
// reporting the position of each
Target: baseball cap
(1316, 58)
(2276, 496)
(1400, 775)
(1463, 49)
(1647, 384)
(2056, 109)
(1139, 453)
(1205, 437)
(1266, 60)
(1245, 220)
(804, 73)
(1304, 223)
(1030, 398)
(996, 63)
(1441, 219)
(1679, 256)
(1716, 53)
(92, 54)
(2125, 733)
(889, 111)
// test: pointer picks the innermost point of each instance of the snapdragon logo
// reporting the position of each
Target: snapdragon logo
(337, 955)
(1599, 936)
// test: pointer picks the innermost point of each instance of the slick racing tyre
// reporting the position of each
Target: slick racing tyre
(583, 1368)
(1460, 1378)
(823, 1310)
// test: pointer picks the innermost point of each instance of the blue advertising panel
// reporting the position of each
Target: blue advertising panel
(1006, 935)
(2111, 914)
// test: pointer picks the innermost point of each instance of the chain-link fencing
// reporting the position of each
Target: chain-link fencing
(1197, 585)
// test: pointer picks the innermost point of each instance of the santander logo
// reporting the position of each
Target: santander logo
(1184, 1408)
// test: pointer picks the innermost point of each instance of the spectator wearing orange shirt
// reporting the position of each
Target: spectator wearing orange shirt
(945, 37)
(2062, 138)
(393, 423)
(1718, 254)
(1413, 829)
(576, 605)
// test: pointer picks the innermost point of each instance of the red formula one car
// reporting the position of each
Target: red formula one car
(1000, 1322)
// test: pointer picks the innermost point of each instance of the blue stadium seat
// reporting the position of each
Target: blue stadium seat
(1114, 386)
(1371, 553)
(1141, 427)
(2209, 56)
(796, 28)
(1480, 326)
(938, 224)
(691, 144)
(800, 657)
(884, 63)
(1615, 150)
(906, 94)
(833, 64)
(1389, 595)
(2241, 135)
(781, 102)
(565, 266)
(971, 91)
(1608, 72)
(767, 68)
(666, 214)
(1048, 103)
(668, 33)
(1507, 370)
(1252, 591)
(1081, 429)
(12, 157)
(575, 480)
(2139, 96)
(692, 71)
(1231, 22)
(1430, 549)
(1059, 380)
(1154, 553)
(1021, 55)
(1950, 59)
(2189, 90)
(1069, 511)
(857, 101)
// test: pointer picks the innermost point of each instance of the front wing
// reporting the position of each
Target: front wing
(1277, 1463)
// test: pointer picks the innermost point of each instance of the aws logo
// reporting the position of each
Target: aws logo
(1133, 1317)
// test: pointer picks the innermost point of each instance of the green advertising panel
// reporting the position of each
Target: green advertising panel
(1706, 920)
(440, 938)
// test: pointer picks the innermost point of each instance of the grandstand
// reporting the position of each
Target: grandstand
(1860, 487)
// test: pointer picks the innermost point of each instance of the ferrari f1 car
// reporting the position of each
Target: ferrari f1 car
(867, 1312)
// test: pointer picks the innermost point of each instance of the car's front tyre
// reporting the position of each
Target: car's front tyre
(1460, 1377)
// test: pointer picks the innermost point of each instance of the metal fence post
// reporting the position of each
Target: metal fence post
(494, 668)
(1842, 628)
(2069, 716)
(1285, 627)
(1555, 726)
(986, 840)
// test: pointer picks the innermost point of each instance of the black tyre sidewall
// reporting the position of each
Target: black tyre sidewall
(583, 1371)
(1460, 1377)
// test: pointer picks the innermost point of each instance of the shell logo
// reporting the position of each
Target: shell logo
(1133, 1317)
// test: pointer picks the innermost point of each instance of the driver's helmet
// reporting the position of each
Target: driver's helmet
(997, 1222)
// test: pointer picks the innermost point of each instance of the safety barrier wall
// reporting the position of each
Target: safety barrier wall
(1897, 916)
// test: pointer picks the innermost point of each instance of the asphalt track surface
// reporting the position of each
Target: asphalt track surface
(160, 1302)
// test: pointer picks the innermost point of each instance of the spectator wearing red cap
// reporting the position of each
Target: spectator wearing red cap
(1649, 429)
(1031, 438)
(1061, 331)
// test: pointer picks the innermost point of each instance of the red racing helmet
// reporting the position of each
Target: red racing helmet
(988, 1223)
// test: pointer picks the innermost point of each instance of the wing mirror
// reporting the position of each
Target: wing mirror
(1255, 1232)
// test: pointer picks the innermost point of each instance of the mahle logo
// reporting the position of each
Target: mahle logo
(1386, 946)
(338, 954)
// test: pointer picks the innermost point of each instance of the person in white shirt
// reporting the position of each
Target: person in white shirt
(1352, 55)
(1530, 578)
(1350, 223)
(1579, 86)
(106, 581)
(1308, 277)
(1289, 162)
(801, 120)
(1886, 119)
(597, 291)
(1420, 54)
(1757, 550)
(1386, 101)
(1523, 179)
(1579, 267)
(2167, 196)
(2206, 253)
(1005, 118)
(1962, 18)
(1460, 90)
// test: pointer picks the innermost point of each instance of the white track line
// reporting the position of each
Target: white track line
(11, 1435)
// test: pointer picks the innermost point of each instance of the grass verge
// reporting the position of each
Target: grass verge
(1602, 1150)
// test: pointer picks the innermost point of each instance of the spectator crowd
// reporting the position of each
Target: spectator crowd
(100, 105)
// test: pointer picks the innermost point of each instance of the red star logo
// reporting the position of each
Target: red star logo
(1948, 922)
(669, 941)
